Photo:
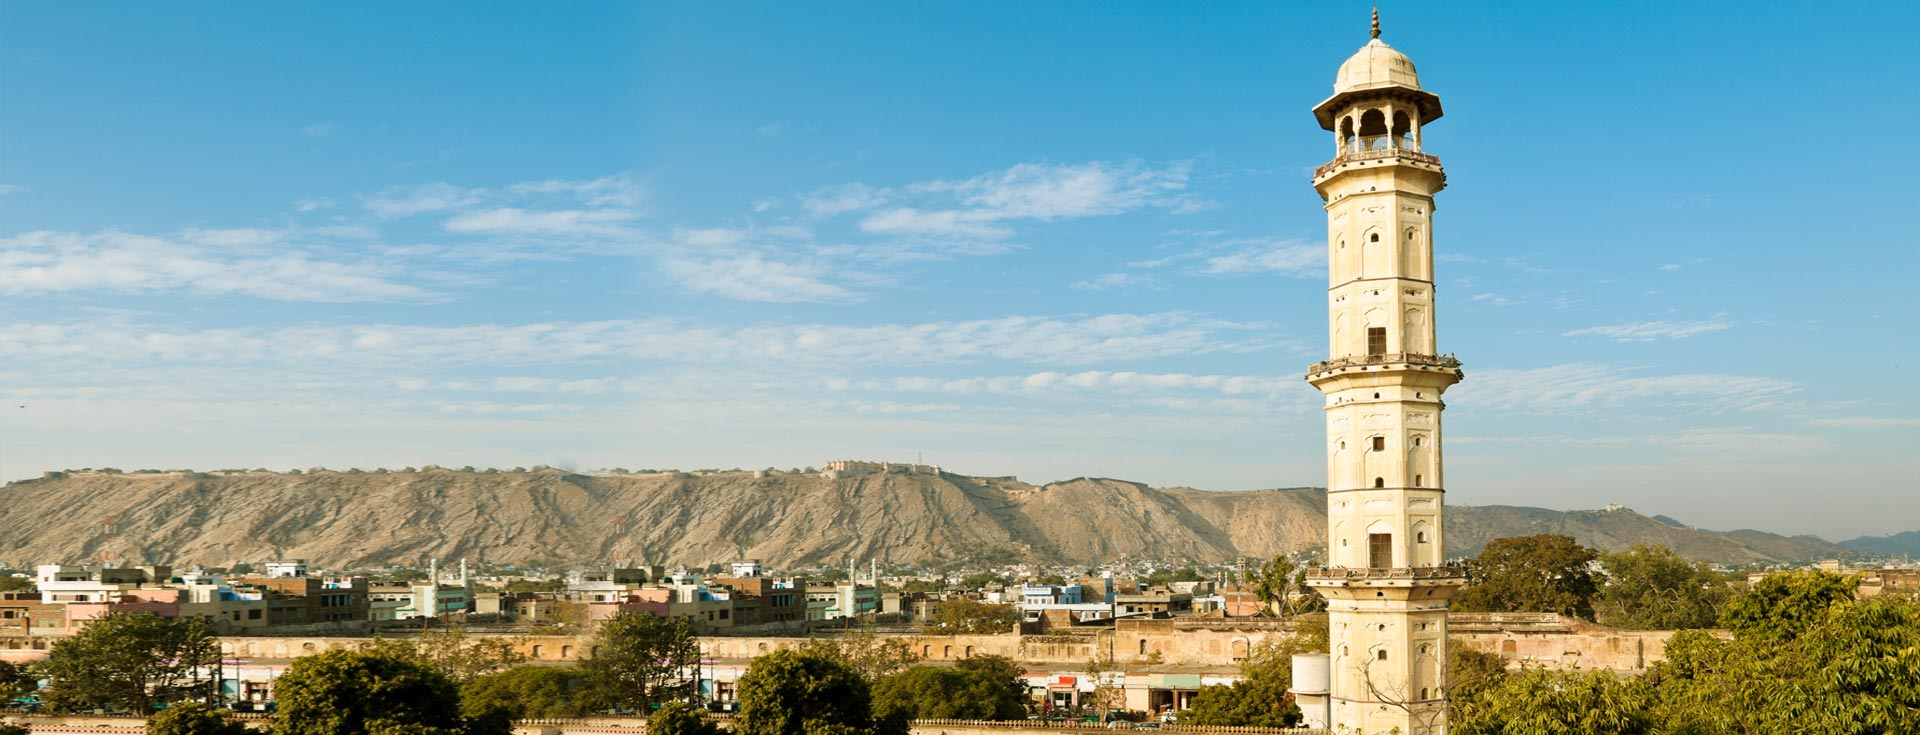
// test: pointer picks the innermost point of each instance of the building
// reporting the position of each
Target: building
(287, 569)
(745, 569)
(1386, 581)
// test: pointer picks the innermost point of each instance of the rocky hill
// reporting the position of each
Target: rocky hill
(340, 519)
(1906, 544)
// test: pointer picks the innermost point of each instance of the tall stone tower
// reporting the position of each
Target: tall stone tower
(1386, 582)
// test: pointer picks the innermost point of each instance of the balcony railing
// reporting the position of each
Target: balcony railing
(1388, 573)
(1410, 358)
(1375, 147)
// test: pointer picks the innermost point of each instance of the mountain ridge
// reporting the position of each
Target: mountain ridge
(900, 514)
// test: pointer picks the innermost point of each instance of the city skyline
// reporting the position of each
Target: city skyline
(1053, 242)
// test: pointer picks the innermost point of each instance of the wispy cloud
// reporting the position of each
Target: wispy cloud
(1866, 422)
(837, 200)
(514, 220)
(1649, 331)
(412, 200)
(1290, 257)
(986, 205)
(202, 261)
(1027, 339)
(10, 189)
(1578, 388)
(320, 130)
(1111, 281)
(753, 277)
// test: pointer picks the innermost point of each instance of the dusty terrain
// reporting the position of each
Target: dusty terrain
(338, 520)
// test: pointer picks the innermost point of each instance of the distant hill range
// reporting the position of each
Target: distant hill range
(856, 511)
(1899, 544)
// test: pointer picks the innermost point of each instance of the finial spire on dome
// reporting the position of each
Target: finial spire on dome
(1376, 22)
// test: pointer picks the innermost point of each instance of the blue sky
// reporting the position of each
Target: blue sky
(1054, 239)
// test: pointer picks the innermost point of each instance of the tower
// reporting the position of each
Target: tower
(1386, 582)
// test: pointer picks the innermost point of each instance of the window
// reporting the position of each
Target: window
(1379, 550)
(1375, 237)
(1379, 443)
(1143, 646)
(253, 614)
(1376, 340)
(1416, 481)
(1420, 537)
(1379, 482)
(1380, 654)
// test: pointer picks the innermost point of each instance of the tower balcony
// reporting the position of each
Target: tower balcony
(1446, 574)
(1399, 360)
(1366, 150)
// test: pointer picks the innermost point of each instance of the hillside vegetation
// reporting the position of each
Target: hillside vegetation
(338, 519)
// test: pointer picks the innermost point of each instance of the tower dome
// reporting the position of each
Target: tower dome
(1377, 69)
(1374, 66)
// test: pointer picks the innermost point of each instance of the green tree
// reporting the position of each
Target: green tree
(981, 581)
(1781, 606)
(641, 660)
(933, 692)
(869, 654)
(966, 616)
(240, 568)
(1276, 582)
(1544, 573)
(16, 680)
(128, 660)
(1801, 662)
(453, 652)
(1542, 702)
(1258, 699)
(1009, 674)
(1161, 577)
(195, 718)
(525, 692)
(8, 728)
(1651, 588)
(15, 584)
(1471, 674)
(360, 693)
(1106, 690)
(805, 693)
(680, 718)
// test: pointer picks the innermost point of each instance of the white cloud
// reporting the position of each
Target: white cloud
(513, 220)
(313, 205)
(753, 277)
(112, 261)
(1654, 330)
(837, 200)
(241, 237)
(406, 201)
(1110, 281)
(941, 223)
(1866, 422)
(1577, 388)
(320, 130)
(1490, 298)
(1041, 340)
(9, 189)
(979, 207)
(1291, 257)
(1050, 192)
(620, 190)
(771, 130)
